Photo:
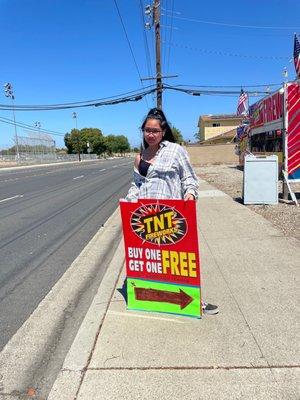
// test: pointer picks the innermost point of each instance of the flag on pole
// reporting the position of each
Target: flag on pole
(242, 106)
(297, 55)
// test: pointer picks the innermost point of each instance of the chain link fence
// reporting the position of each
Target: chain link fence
(33, 148)
(39, 148)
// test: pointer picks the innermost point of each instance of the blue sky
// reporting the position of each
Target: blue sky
(57, 51)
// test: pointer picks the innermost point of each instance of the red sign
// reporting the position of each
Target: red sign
(267, 110)
(293, 130)
(161, 241)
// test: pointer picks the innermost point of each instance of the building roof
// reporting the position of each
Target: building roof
(211, 117)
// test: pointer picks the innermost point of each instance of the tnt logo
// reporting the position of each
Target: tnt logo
(159, 224)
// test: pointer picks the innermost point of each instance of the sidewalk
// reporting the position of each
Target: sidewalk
(250, 350)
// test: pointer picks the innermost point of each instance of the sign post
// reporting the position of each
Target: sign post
(162, 256)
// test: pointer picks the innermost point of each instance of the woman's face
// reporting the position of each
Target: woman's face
(153, 132)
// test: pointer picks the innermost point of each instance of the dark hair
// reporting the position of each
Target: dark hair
(156, 113)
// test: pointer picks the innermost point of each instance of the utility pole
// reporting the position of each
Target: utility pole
(154, 12)
(156, 16)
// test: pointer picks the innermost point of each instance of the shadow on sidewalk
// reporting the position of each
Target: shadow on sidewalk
(123, 290)
(238, 200)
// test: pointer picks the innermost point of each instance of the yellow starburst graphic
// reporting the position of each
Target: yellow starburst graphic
(158, 224)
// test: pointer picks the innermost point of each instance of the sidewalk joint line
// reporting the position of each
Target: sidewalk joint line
(213, 367)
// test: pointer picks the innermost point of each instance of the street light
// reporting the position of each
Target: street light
(285, 74)
(74, 115)
(37, 124)
(8, 91)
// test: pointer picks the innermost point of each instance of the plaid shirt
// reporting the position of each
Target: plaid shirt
(170, 177)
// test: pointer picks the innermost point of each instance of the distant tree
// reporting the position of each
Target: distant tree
(75, 142)
(98, 145)
(123, 144)
(136, 150)
(78, 141)
(117, 144)
(177, 135)
(197, 136)
(61, 150)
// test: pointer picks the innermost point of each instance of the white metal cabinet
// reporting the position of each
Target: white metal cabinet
(260, 184)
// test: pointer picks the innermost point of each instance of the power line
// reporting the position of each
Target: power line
(164, 26)
(230, 86)
(170, 37)
(92, 102)
(31, 127)
(129, 44)
(189, 89)
(108, 101)
(236, 25)
(222, 53)
(147, 51)
(197, 92)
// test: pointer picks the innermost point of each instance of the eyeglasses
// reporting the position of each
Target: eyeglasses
(150, 130)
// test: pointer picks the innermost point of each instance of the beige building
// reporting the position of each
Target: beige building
(215, 125)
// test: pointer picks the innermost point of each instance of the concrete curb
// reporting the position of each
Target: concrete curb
(72, 373)
(23, 354)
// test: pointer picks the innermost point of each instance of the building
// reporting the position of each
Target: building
(215, 125)
(223, 138)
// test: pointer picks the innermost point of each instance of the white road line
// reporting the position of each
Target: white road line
(78, 177)
(104, 169)
(10, 180)
(115, 166)
(10, 198)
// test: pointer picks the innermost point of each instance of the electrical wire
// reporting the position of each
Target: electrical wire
(222, 53)
(237, 25)
(146, 45)
(164, 26)
(170, 36)
(129, 44)
(197, 92)
(188, 89)
(231, 86)
(86, 102)
(26, 126)
(112, 100)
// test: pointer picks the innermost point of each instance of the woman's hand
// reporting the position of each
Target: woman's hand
(189, 196)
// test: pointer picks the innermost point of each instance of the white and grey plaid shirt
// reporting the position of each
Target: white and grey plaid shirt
(170, 177)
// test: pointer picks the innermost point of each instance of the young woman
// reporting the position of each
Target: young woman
(163, 170)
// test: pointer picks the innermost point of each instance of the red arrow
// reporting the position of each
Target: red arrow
(164, 296)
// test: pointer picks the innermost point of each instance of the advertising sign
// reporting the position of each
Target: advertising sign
(162, 256)
(266, 111)
(293, 131)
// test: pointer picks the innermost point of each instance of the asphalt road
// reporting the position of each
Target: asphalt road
(47, 216)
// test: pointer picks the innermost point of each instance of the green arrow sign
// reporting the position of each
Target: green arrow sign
(163, 297)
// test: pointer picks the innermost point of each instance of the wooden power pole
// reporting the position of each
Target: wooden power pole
(156, 16)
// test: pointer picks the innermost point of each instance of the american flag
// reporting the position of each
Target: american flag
(242, 106)
(297, 55)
